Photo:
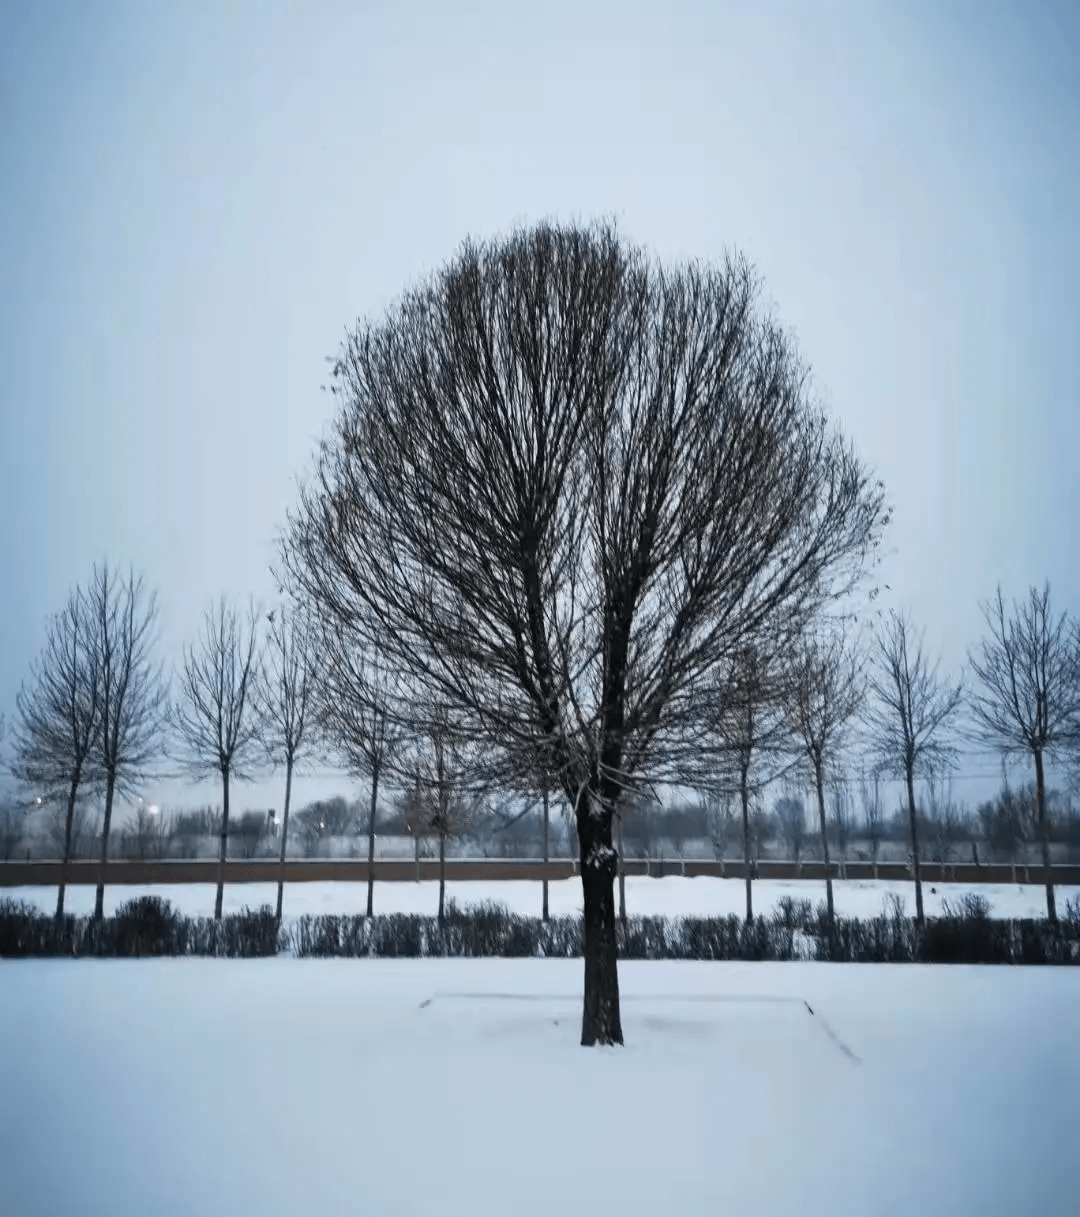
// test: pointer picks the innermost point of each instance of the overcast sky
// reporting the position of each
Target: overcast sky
(197, 199)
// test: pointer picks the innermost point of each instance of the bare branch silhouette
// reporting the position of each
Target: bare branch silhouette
(564, 488)
(1026, 701)
(908, 714)
(59, 717)
(133, 694)
(217, 717)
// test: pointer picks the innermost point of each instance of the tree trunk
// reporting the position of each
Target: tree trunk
(224, 843)
(284, 833)
(99, 901)
(910, 775)
(68, 823)
(416, 845)
(371, 841)
(442, 877)
(601, 1021)
(622, 877)
(820, 784)
(744, 791)
(1044, 834)
(544, 914)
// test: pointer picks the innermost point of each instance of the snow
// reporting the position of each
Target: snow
(164, 1088)
(671, 896)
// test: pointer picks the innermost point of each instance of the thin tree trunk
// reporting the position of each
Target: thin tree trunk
(442, 876)
(820, 783)
(601, 1021)
(744, 791)
(371, 841)
(544, 914)
(68, 823)
(99, 901)
(224, 843)
(416, 844)
(1044, 834)
(916, 864)
(284, 833)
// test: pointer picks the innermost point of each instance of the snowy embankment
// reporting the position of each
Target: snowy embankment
(165, 1088)
(671, 896)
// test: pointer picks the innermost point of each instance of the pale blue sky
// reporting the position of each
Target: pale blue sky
(197, 198)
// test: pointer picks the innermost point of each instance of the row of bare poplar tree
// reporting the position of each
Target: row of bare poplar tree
(100, 717)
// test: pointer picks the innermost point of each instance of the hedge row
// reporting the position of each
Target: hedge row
(147, 926)
(150, 926)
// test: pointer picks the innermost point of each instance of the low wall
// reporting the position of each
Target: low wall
(120, 872)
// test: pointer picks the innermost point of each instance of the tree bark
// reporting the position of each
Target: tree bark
(371, 841)
(544, 914)
(744, 791)
(99, 901)
(284, 833)
(601, 1021)
(819, 782)
(224, 842)
(1044, 834)
(68, 823)
(916, 864)
(442, 876)
(622, 877)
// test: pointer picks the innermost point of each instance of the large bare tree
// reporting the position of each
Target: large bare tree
(132, 691)
(564, 488)
(217, 716)
(908, 715)
(288, 701)
(825, 692)
(59, 716)
(354, 703)
(1026, 701)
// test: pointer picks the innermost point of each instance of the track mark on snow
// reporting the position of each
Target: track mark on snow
(833, 1036)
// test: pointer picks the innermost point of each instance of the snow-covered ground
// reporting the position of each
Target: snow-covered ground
(166, 1088)
(671, 896)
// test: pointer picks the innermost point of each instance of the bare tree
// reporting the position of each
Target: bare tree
(287, 697)
(826, 693)
(248, 832)
(565, 487)
(720, 817)
(842, 818)
(754, 736)
(131, 689)
(59, 717)
(217, 719)
(149, 834)
(944, 820)
(13, 814)
(790, 815)
(1027, 701)
(325, 820)
(438, 804)
(354, 717)
(908, 716)
(873, 812)
(83, 834)
(1008, 821)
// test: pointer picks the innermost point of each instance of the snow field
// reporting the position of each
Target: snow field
(670, 896)
(164, 1088)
